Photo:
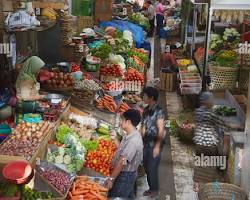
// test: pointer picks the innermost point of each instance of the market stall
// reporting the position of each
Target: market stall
(225, 23)
(65, 141)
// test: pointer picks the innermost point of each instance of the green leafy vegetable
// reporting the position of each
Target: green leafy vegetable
(143, 57)
(140, 20)
(102, 52)
(90, 145)
(62, 131)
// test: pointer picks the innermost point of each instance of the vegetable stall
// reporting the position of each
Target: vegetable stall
(66, 141)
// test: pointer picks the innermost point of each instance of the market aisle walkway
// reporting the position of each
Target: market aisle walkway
(183, 159)
(167, 187)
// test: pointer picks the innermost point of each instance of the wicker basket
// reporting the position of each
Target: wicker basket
(244, 78)
(221, 191)
(186, 134)
(223, 77)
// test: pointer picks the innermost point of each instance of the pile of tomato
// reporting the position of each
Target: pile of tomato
(100, 160)
(134, 75)
(75, 68)
(113, 70)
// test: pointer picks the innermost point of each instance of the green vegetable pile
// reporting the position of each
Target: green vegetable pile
(226, 58)
(140, 20)
(28, 194)
(90, 145)
(224, 110)
(143, 57)
(121, 45)
(131, 63)
(102, 52)
(8, 190)
(72, 154)
(216, 42)
(62, 131)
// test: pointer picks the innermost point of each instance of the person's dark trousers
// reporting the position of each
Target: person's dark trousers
(152, 26)
(124, 185)
(159, 22)
(151, 166)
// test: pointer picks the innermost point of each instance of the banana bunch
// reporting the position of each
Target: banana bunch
(50, 13)
(184, 62)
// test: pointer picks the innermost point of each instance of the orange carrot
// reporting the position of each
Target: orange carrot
(70, 194)
(97, 195)
(74, 188)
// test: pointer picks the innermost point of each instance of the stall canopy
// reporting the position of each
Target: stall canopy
(230, 4)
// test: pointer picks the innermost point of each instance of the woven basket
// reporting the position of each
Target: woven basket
(221, 191)
(244, 78)
(223, 77)
(186, 134)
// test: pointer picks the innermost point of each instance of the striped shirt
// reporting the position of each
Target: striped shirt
(131, 148)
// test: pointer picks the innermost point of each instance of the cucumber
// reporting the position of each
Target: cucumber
(103, 131)
(104, 126)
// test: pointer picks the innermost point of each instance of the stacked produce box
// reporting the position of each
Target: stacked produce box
(189, 76)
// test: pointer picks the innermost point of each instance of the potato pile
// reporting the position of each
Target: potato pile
(25, 139)
(132, 98)
(60, 80)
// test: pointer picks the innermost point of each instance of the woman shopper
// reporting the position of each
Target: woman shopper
(160, 9)
(153, 132)
(127, 158)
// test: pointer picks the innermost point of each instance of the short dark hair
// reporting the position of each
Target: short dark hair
(151, 92)
(149, 2)
(133, 115)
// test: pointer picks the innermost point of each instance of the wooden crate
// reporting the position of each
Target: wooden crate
(168, 81)
(4, 159)
(84, 22)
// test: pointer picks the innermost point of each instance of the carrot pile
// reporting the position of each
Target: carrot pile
(84, 188)
(106, 102)
(138, 61)
(123, 107)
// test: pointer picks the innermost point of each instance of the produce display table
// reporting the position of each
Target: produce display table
(225, 98)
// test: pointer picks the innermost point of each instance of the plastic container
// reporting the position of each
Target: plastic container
(82, 7)
(17, 172)
(77, 75)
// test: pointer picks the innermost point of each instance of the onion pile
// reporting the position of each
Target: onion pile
(60, 79)
(25, 139)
